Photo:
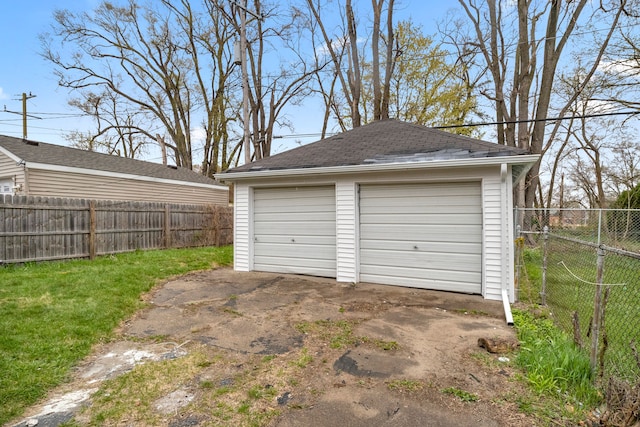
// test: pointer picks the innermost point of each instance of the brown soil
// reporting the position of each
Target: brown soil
(284, 350)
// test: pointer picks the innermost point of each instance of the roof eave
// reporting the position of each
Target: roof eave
(58, 168)
(527, 159)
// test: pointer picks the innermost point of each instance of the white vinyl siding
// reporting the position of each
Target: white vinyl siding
(346, 223)
(295, 230)
(10, 171)
(241, 227)
(494, 236)
(422, 235)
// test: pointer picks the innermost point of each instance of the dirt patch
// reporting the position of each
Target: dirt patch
(282, 350)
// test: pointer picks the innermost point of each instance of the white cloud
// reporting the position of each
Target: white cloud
(3, 95)
(198, 134)
(624, 68)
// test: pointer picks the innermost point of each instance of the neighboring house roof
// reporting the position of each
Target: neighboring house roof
(381, 143)
(49, 156)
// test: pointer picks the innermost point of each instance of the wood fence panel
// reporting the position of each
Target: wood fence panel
(41, 228)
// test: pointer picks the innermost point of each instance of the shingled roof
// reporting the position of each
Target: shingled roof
(50, 154)
(380, 142)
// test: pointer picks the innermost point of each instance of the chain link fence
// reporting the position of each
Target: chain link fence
(584, 265)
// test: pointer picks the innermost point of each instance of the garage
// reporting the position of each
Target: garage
(295, 230)
(391, 203)
(422, 235)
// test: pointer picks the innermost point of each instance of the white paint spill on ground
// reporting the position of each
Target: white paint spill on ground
(67, 403)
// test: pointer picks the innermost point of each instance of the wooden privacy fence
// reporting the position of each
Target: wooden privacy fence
(42, 228)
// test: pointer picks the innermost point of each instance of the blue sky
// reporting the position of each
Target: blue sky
(24, 70)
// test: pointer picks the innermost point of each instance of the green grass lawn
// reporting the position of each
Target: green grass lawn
(571, 274)
(51, 314)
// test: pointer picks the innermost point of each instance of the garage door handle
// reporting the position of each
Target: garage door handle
(293, 240)
(415, 246)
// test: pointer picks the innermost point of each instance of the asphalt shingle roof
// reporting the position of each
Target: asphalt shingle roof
(386, 141)
(40, 152)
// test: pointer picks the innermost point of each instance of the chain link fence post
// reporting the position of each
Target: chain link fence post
(597, 311)
(543, 288)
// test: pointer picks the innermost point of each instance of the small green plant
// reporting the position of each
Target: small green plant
(553, 366)
(386, 345)
(405, 385)
(463, 395)
(230, 310)
(255, 392)
(207, 384)
(304, 359)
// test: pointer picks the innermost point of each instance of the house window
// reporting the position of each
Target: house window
(6, 186)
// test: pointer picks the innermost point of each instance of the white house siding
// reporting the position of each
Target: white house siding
(9, 169)
(242, 227)
(493, 236)
(508, 237)
(76, 185)
(346, 231)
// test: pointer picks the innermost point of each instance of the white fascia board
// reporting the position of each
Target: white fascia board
(57, 168)
(528, 159)
(10, 154)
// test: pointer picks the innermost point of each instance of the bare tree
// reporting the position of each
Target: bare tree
(164, 59)
(274, 36)
(117, 127)
(522, 84)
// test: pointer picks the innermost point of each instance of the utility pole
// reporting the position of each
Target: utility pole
(246, 143)
(24, 113)
(245, 82)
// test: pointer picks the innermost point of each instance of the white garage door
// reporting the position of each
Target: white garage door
(295, 230)
(422, 235)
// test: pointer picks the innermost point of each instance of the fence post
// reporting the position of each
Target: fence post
(597, 311)
(167, 226)
(543, 289)
(92, 229)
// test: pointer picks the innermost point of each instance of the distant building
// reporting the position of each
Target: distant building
(40, 169)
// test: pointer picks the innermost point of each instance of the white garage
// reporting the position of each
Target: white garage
(389, 203)
(295, 230)
(422, 235)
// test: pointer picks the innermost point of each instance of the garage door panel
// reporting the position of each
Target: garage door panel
(292, 206)
(428, 280)
(294, 230)
(293, 193)
(409, 189)
(421, 260)
(399, 205)
(286, 250)
(408, 245)
(320, 240)
(438, 218)
(295, 266)
(422, 235)
(391, 274)
(297, 216)
(426, 235)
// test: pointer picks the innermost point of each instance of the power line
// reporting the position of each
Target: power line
(549, 119)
